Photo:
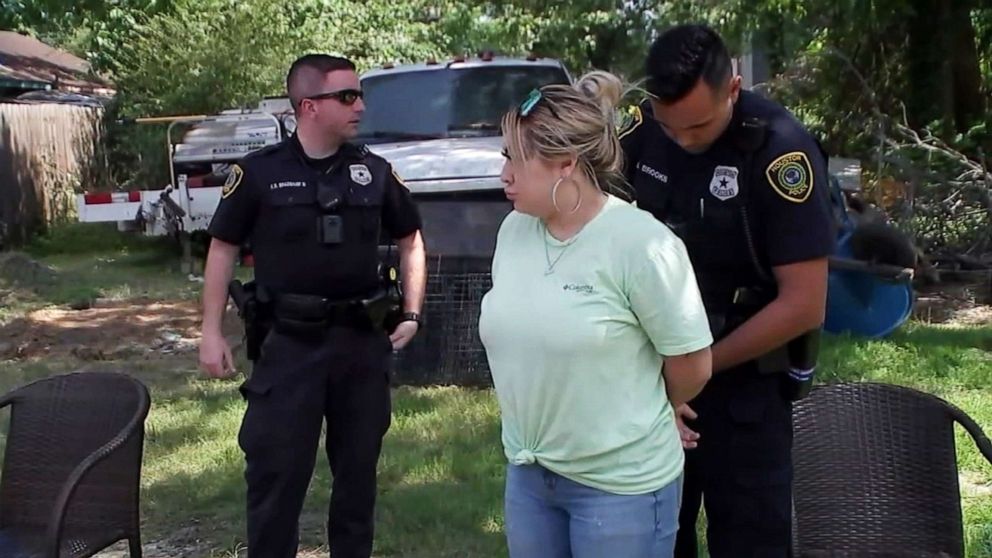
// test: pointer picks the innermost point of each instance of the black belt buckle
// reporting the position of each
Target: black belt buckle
(300, 307)
(338, 311)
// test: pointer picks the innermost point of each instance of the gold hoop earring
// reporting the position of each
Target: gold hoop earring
(554, 196)
(578, 202)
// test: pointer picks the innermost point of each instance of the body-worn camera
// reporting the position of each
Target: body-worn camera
(330, 229)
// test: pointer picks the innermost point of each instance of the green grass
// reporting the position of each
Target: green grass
(96, 261)
(441, 472)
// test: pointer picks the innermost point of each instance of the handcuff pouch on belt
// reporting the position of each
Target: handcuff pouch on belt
(795, 360)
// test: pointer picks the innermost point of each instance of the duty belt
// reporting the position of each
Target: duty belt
(312, 308)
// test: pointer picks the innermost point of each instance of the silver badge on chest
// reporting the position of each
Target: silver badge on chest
(723, 186)
(360, 174)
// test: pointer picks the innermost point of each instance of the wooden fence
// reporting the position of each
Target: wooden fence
(47, 153)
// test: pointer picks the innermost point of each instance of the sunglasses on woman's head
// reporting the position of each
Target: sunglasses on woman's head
(531, 101)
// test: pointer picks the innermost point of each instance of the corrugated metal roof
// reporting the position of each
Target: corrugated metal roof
(29, 63)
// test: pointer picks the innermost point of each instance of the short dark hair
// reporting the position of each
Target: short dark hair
(683, 55)
(309, 69)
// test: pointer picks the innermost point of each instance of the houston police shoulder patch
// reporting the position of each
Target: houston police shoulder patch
(628, 120)
(234, 177)
(791, 176)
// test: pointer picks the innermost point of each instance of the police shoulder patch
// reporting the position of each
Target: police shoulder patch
(628, 120)
(234, 177)
(791, 176)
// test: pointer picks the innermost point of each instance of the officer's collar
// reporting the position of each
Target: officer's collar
(738, 114)
(346, 150)
(746, 131)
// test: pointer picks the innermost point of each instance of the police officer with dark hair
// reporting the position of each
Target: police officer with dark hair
(313, 208)
(745, 187)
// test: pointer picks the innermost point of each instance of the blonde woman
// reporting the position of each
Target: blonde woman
(594, 329)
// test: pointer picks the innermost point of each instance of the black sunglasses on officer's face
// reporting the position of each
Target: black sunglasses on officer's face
(343, 96)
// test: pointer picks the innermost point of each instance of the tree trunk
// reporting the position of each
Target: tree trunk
(969, 103)
(931, 90)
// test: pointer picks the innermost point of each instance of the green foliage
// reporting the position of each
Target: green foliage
(874, 79)
(202, 57)
(849, 69)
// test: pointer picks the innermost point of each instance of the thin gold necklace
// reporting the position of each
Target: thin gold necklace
(569, 242)
(547, 255)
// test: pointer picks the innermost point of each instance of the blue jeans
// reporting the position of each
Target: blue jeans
(550, 516)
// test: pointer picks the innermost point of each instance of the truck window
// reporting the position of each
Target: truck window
(451, 102)
(407, 102)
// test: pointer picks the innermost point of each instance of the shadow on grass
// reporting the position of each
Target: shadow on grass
(932, 358)
(92, 260)
(440, 480)
(98, 238)
(442, 468)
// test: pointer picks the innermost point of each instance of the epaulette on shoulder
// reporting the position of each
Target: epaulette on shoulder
(357, 151)
(264, 151)
(752, 134)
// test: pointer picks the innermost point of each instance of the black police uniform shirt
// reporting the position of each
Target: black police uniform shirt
(271, 197)
(774, 177)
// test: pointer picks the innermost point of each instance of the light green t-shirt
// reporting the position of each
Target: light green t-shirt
(575, 354)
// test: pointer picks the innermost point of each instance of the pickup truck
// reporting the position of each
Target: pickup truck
(436, 122)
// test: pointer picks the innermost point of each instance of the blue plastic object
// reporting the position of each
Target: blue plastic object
(863, 300)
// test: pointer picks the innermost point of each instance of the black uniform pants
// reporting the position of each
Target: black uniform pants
(340, 375)
(741, 470)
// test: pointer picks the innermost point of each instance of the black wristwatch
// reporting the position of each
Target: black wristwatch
(413, 317)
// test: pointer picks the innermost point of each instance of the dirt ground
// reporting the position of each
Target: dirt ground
(960, 303)
(109, 330)
(150, 329)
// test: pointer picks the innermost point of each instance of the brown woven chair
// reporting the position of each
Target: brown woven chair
(876, 473)
(72, 466)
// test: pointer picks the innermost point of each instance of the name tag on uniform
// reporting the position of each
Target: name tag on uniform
(655, 174)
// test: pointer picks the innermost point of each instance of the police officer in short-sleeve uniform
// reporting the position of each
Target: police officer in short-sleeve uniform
(314, 225)
(745, 186)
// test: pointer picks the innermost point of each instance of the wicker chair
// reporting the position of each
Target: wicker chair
(72, 466)
(876, 473)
